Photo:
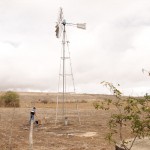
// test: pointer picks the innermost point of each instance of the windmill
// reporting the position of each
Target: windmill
(61, 29)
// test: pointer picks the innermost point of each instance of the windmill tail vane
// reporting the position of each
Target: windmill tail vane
(81, 25)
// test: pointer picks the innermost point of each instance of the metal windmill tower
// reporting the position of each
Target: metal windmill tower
(61, 28)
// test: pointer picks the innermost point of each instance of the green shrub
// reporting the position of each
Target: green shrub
(11, 99)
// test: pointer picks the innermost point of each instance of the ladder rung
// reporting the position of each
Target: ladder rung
(65, 57)
(65, 74)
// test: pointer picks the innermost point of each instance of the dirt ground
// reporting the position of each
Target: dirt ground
(86, 127)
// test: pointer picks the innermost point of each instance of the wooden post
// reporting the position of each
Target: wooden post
(31, 135)
(66, 121)
(11, 126)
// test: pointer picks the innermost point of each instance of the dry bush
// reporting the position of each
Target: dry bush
(83, 101)
(2, 102)
(11, 99)
(44, 101)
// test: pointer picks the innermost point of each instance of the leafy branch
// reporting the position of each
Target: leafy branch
(131, 112)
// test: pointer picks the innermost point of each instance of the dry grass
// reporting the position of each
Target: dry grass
(47, 136)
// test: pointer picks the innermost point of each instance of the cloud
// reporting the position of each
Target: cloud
(14, 44)
(115, 46)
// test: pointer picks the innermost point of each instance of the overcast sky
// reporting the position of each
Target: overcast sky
(114, 47)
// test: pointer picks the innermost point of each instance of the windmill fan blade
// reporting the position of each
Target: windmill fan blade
(81, 25)
(59, 25)
(142, 70)
(60, 16)
(57, 31)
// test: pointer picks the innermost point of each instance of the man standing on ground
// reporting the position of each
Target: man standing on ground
(32, 114)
